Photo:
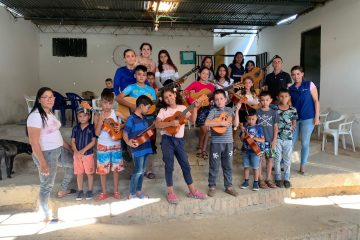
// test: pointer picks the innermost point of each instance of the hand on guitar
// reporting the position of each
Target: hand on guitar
(238, 105)
(133, 143)
(225, 123)
(174, 123)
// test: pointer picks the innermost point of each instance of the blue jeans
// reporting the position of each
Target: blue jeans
(137, 176)
(66, 161)
(47, 182)
(170, 147)
(305, 128)
(283, 155)
(250, 159)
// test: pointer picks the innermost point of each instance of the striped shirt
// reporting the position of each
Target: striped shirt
(133, 126)
(83, 137)
(227, 137)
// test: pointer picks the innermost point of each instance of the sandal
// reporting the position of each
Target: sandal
(102, 196)
(205, 155)
(150, 175)
(199, 152)
(62, 194)
(116, 195)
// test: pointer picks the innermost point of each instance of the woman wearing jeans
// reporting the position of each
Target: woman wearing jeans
(46, 142)
(305, 99)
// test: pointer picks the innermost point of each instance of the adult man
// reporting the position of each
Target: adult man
(278, 79)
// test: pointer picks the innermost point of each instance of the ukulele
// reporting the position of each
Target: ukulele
(180, 80)
(181, 116)
(145, 135)
(253, 145)
(109, 124)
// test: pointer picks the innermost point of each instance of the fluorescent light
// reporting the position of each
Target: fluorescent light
(15, 12)
(287, 20)
(163, 6)
(248, 46)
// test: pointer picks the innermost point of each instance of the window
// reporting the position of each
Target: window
(70, 47)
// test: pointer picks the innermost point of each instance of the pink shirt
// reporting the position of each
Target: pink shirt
(197, 86)
(168, 112)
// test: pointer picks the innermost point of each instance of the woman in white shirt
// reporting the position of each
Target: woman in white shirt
(46, 142)
(166, 69)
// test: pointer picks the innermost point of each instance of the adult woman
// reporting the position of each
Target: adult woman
(208, 63)
(144, 57)
(46, 142)
(305, 99)
(236, 68)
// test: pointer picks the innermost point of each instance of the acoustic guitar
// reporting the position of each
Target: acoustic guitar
(145, 135)
(181, 116)
(180, 80)
(125, 110)
(209, 93)
(244, 99)
(109, 124)
(253, 145)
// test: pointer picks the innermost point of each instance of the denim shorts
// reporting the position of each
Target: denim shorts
(268, 151)
(250, 159)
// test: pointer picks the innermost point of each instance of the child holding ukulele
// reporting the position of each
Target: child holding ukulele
(196, 87)
(173, 144)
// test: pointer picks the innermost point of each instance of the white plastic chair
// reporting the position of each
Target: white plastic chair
(343, 129)
(30, 102)
(323, 118)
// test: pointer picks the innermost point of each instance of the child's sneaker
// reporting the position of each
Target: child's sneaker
(211, 192)
(171, 198)
(287, 184)
(80, 196)
(245, 185)
(89, 195)
(279, 183)
(256, 186)
(197, 195)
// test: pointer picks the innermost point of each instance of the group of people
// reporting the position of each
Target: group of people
(272, 120)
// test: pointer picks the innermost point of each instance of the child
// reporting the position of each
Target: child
(109, 84)
(236, 68)
(135, 91)
(250, 159)
(174, 145)
(136, 124)
(268, 119)
(82, 141)
(151, 79)
(222, 78)
(109, 153)
(221, 147)
(166, 69)
(249, 92)
(197, 86)
(287, 124)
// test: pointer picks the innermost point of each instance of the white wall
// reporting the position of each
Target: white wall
(19, 66)
(66, 74)
(340, 52)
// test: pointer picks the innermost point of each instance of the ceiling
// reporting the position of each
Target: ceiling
(204, 14)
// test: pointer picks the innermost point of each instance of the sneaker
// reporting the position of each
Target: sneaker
(141, 196)
(211, 192)
(80, 196)
(171, 198)
(244, 185)
(256, 186)
(231, 191)
(89, 195)
(287, 184)
(263, 185)
(279, 183)
(197, 195)
(270, 184)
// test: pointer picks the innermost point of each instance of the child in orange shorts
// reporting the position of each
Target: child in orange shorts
(82, 141)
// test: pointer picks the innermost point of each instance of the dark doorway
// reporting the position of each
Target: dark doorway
(310, 55)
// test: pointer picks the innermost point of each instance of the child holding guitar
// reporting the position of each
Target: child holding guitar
(201, 85)
(109, 153)
(221, 147)
(135, 126)
(251, 156)
(171, 118)
(252, 100)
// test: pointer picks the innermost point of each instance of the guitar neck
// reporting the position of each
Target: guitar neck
(182, 77)
(152, 126)
(183, 113)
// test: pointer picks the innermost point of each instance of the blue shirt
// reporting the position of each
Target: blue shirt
(83, 137)
(236, 72)
(302, 100)
(123, 77)
(136, 91)
(254, 131)
(133, 126)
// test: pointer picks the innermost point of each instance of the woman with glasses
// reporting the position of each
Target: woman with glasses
(47, 144)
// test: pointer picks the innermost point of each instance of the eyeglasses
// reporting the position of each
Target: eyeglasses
(49, 98)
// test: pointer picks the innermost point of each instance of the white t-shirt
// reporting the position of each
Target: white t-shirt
(168, 112)
(104, 137)
(50, 136)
